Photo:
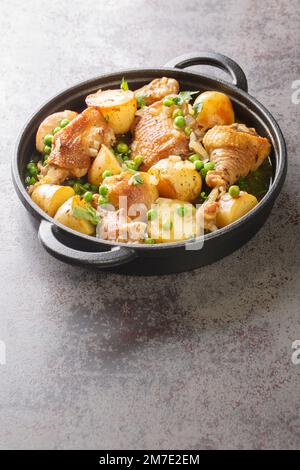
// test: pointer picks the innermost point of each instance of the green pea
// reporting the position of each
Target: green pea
(179, 121)
(102, 200)
(48, 139)
(209, 166)
(151, 214)
(150, 241)
(182, 210)
(106, 174)
(125, 157)
(88, 196)
(234, 191)
(188, 131)
(47, 149)
(194, 158)
(32, 169)
(138, 160)
(29, 180)
(94, 187)
(131, 165)
(64, 123)
(56, 130)
(168, 102)
(103, 190)
(177, 112)
(198, 165)
(203, 172)
(122, 147)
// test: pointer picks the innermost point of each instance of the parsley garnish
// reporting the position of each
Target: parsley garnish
(87, 213)
(124, 85)
(137, 179)
(198, 108)
(141, 102)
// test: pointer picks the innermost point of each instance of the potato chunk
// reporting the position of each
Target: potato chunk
(118, 108)
(172, 220)
(65, 216)
(50, 197)
(215, 108)
(178, 179)
(105, 160)
(233, 208)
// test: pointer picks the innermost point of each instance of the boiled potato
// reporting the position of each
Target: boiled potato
(49, 124)
(215, 108)
(233, 208)
(65, 216)
(138, 188)
(105, 160)
(178, 179)
(118, 108)
(50, 197)
(172, 220)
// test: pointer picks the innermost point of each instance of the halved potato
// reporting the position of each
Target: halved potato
(215, 108)
(178, 179)
(118, 108)
(105, 160)
(49, 124)
(50, 197)
(65, 216)
(172, 220)
(233, 208)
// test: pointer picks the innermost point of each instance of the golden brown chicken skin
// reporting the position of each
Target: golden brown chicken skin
(75, 145)
(236, 150)
(157, 90)
(154, 136)
(139, 188)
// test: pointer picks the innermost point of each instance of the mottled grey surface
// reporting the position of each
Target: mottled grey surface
(195, 360)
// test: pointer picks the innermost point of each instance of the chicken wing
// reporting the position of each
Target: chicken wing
(154, 136)
(75, 144)
(236, 150)
(157, 90)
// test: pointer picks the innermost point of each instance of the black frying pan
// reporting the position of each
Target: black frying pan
(75, 248)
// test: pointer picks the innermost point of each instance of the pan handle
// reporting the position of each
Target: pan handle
(99, 259)
(212, 58)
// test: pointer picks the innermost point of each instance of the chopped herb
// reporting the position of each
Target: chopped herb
(187, 95)
(124, 85)
(137, 179)
(141, 102)
(87, 213)
(198, 108)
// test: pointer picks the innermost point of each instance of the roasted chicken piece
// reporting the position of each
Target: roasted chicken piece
(236, 150)
(76, 143)
(49, 124)
(138, 190)
(74, 146)
(117, 226)
(155, 137)
(207, 213)
(157, 90)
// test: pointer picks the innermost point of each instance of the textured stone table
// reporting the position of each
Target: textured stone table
(195, 360)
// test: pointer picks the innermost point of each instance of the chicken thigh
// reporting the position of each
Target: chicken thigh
(154, 136)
